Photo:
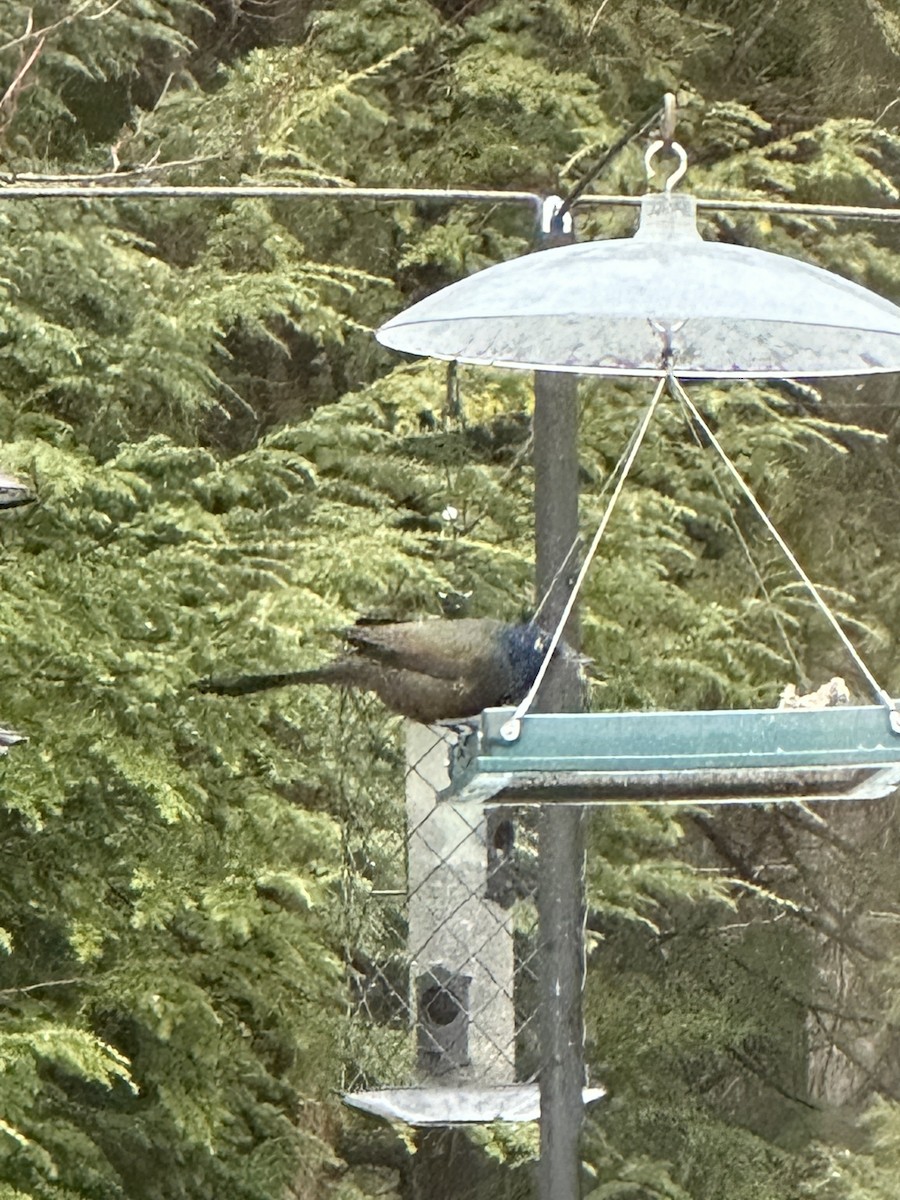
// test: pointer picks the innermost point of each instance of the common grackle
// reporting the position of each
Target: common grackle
(435, 670)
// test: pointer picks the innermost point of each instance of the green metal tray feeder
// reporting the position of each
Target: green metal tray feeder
(725, 757)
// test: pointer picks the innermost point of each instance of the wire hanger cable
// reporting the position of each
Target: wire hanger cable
(608, 482)
(748, 554)
(512, 728)
(679, 393)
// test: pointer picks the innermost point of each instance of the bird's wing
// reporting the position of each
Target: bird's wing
(441, 649)
(423, 698)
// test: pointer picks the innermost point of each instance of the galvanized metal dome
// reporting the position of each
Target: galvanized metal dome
(664, 300)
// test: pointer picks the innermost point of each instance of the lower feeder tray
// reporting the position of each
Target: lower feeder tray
(457, 1106)
(753, 756)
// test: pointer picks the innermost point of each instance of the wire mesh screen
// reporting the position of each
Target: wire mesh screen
(442, 982)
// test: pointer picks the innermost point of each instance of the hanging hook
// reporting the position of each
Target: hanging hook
(675, 148)
(665, 140)
(669, 117)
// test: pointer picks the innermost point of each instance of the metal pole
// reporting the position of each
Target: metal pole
(561, 836)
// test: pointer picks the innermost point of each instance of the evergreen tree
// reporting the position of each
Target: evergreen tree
(229, 470)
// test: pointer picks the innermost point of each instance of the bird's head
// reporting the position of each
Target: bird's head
(525, 646)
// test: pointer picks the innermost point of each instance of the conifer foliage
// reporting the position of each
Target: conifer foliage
(229, 470)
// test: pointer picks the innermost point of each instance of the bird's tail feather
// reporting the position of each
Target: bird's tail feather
(243, 685)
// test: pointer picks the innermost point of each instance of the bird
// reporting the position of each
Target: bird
(428, 671)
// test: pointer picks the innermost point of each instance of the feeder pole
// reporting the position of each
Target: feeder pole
(560, 900)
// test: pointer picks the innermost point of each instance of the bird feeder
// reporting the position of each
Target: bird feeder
(724, 757)
(14, 493)
(9, 738)
(663, 304)
(462, 962)
(669, 305)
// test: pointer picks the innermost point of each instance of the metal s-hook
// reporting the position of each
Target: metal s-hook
(675, 148)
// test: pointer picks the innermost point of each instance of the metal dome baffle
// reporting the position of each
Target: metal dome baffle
(663, 300)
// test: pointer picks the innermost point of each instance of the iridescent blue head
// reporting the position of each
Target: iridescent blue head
(526, 646)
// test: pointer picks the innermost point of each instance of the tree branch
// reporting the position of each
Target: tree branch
(12, 93)
(755, 1069)
(42, 33)
(34, 987)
